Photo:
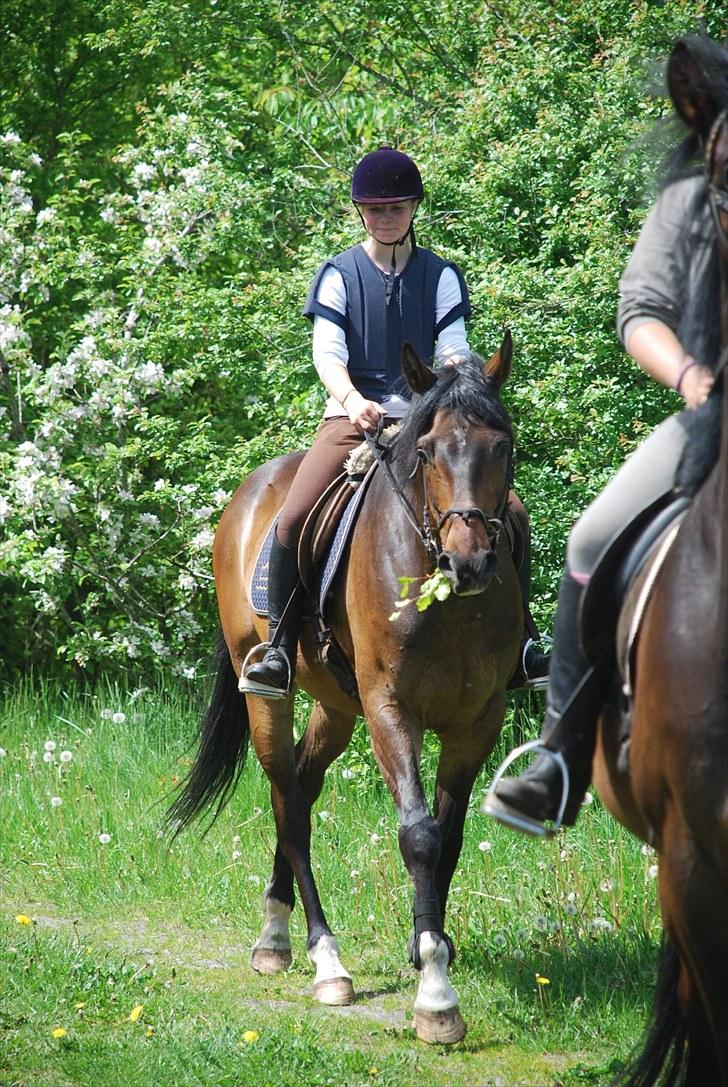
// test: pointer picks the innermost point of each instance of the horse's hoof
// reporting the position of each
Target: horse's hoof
(270, 960)
(439, 1028)
(335, 991)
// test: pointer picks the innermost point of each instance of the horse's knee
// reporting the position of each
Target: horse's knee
(420, 843)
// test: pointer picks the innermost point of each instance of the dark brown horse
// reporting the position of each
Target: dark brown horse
(444, 669)
(675, 794)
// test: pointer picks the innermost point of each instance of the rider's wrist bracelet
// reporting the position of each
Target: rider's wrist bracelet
(687, 364)
(343, 402)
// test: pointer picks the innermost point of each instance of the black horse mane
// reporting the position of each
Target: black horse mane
(462, 389)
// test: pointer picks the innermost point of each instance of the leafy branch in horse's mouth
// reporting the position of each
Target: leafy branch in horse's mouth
(435, 587)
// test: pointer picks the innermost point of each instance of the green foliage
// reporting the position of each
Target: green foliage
(170, 178)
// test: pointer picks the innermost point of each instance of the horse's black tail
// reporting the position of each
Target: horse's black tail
(224, 735)
(664, 1051)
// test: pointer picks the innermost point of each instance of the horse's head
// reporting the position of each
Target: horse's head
(457, 439)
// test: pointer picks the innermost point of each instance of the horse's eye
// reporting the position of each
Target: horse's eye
(423, 455)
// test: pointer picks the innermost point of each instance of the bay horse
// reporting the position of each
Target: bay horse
(674, 794)
(445, 668)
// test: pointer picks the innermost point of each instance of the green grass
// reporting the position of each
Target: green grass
(132, 921)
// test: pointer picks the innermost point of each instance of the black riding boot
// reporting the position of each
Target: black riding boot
(575, 695)
(272, 676)
(533, 664)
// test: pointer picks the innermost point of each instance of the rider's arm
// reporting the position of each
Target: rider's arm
(656, 348)
(452, 343)
(331, 357)
(652, 295)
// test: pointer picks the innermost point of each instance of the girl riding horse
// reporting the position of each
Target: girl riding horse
(365, 303)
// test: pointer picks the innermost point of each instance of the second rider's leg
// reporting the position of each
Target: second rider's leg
(576, 689)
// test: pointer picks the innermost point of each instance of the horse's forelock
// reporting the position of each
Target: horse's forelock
(462, 389)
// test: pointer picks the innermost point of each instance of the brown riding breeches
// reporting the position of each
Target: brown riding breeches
(323, 462)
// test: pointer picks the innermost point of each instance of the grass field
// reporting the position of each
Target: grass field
(125, 960)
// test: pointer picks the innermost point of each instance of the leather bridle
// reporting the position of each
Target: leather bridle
(431, 534)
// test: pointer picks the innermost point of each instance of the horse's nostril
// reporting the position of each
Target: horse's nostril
(444, 563)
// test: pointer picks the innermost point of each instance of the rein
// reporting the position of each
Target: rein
(431, 538)
(424, 531)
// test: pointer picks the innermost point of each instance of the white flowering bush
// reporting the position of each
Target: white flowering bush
(132, 372)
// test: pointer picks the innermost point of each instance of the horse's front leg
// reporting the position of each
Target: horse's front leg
(295, 782)
(462, 756)
(397, 749)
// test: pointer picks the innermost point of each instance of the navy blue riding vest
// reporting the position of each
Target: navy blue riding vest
(376, 331)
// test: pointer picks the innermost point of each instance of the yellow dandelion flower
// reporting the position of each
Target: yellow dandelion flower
(373, 1071)
(23, 919)
(59, 1032)
(135, 1013)
(150, 1031)
(541, 980)
(79, 1004)
(251, 1036)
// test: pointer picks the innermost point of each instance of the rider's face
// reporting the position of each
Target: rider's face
(387, 223)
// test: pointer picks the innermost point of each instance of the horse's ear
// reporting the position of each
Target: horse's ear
(498, 368)
(419, 377)
(689, 90)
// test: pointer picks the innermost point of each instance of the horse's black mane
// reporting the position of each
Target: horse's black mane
(463, 389)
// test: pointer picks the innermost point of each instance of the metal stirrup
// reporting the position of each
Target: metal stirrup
(537, 746)
(265, 646)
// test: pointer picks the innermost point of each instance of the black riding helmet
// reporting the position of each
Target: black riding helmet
(387, 176)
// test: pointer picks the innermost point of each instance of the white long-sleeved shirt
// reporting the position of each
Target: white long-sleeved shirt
(329, 340)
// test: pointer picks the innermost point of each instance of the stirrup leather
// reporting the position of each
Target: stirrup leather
(248, 686)
(504, 813)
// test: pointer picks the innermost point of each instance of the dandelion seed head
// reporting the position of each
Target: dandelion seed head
(118, 718)
(3, 753)
(484, 847)
(66, 756)
(104, 838)
(519, 955)
(324, 816)
(499, 940)
(347, 773)
(588, 798)
(652, 871)
(49, 745)
(541, 923)
(236, 854)
(56, 801)
(47, 756)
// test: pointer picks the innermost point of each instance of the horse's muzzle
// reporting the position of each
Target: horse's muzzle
(469, 574)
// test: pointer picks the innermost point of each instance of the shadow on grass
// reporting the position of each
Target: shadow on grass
(591, 972)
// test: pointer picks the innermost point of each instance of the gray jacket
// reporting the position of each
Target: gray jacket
(668, 264)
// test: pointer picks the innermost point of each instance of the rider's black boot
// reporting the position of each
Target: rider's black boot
(272, 676)
(574, 699)
(533, 666)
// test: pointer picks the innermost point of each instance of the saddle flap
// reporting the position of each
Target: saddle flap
(616, 568)
(319, 529)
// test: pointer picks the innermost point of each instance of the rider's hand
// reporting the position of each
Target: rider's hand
(695, 385)
(363, 413)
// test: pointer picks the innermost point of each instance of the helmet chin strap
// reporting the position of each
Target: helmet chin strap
(392, 273)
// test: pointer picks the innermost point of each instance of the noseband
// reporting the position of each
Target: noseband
(430, 536)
